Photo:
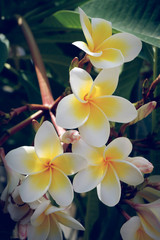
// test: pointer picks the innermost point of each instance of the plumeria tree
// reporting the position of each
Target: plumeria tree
(80, 136)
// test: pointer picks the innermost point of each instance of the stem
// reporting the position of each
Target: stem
(46, 95)
(124, 213)
(19, 126)
(155, 59)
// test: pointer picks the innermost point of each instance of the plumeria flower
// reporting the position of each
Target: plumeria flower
(46, 220)
(106, 167)
(143, 164)
(133, 230)
(104, 49)
(46, 167)
(149, 215)
(92, 106)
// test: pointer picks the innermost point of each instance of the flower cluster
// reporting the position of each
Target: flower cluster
(43, 171)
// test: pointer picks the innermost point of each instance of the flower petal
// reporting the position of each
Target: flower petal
(127, 172)
(35, 186)
(128, 44)
(95, 131)
(129, 228)
(40, 232)
(70, 163)
(47, 143)
(88, 178)
(68, 221)
(24, 160)
(93, 155)
(38, 216)
(71, 113)
(83, 46)
(61, 188)
(117, 109)
(106, 82)
(86, 27)
(118, 149)
(101, 29)
(81, 83)
(109, 190)
(108, 59)
(55, 230)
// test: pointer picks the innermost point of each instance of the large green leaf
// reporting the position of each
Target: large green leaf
(139, 17)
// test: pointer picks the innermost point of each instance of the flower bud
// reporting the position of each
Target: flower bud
(143, 164)
(71, 136)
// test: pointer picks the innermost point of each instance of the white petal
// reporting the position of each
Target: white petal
(32, 188)
(128, 44)
(101, 30)
(129, 229)
(40, 232)
(106, 82)
(81, 83)
(61, 188)
(93, 155)
(71, 113)
(95, 131)
(117, 109)
(127, 172)
(39, 210)
(119, 148)
(55, 230)
(83, 46)
(109, 190)
(86, 27)
(68, 221)
(70, 163)
(24, 160)
(88, 178)
(47, 143)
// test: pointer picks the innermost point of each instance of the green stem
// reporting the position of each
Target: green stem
(47, 98)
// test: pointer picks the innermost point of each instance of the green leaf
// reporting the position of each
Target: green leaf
(141, 18)
(92, 213)
(128, 78)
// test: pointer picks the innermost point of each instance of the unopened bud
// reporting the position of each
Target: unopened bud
(142, 164)
(71, 136)
(144, 111)
(74, 63)
(36, 125)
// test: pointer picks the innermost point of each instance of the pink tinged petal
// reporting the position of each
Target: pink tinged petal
(38, 215)
(88, 178)
(86, 27)
(55, 229)
(93, 155)
(71, 113)
(70, 163)
(117, 109)
(109, 190)
(47, 143)
(142, 164)
(81, 83)
(40, 232)
(106, 82)
(35, 186)
(150, 226)
(128, 44)
(109, 58)
(61, 188)
(95, 131)
(83, 46)
(24, 160)
(129, 229)
(118, 149)
(68, 221)
(127, 172)
(101, 29)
